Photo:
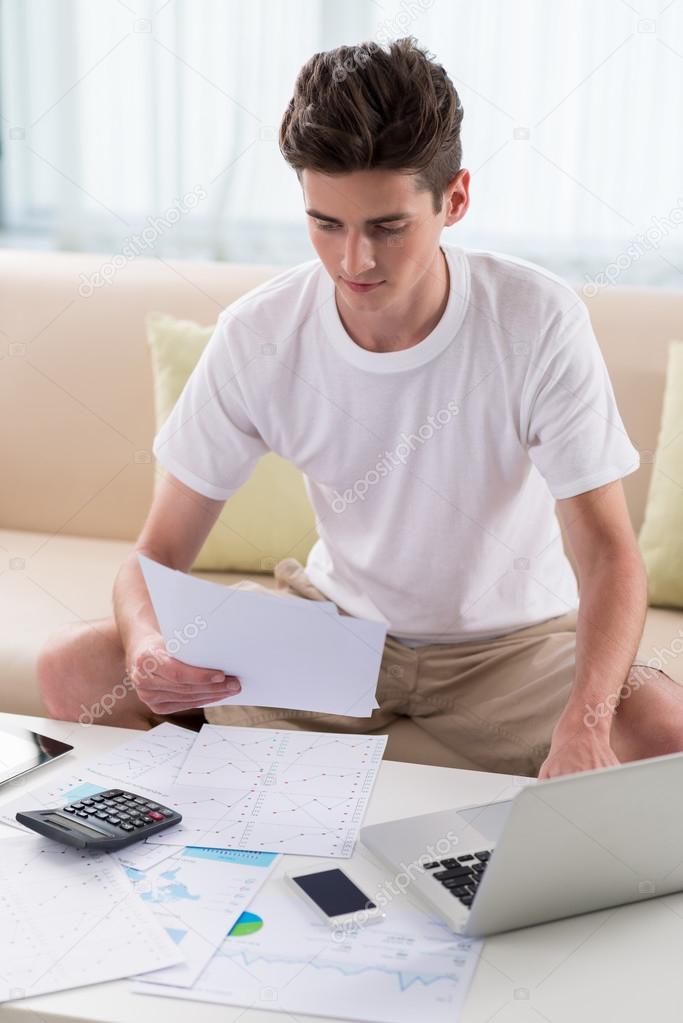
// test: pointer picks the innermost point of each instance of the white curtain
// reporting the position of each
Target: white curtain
(117, 112)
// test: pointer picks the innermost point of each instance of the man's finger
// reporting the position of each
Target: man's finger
(187, 674)
(172, 683)
(161, 692)
(176, 708)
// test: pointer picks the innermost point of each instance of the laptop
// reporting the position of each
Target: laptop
(559, 847)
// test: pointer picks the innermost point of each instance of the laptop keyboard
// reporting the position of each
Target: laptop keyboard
(460, 875)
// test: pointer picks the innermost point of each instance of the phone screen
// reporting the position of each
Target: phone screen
(334, 892)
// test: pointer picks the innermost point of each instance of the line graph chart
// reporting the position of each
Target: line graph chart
(300, 792)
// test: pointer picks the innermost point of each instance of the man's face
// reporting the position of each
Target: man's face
(375, 228)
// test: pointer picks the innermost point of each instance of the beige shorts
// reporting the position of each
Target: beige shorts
(494, 702)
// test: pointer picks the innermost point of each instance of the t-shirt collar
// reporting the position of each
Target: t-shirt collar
(408, 358)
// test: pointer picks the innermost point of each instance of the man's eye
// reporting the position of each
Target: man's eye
(324, 225)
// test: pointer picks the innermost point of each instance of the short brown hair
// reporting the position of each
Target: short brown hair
(365, 107)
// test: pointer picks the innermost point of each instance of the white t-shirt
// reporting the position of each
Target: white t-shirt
(432, 471)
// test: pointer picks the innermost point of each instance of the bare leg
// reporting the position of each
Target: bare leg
(649, 717)
(82, 677)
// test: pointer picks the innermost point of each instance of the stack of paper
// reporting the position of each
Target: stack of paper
(286, 651)
(197, 895)
(165, 923)
(281, 791)
(280, 956)
(237, 788)
(71, 918)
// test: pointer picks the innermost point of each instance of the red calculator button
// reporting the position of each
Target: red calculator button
(155, 816)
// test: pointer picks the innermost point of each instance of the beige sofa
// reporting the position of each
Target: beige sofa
(78, 424)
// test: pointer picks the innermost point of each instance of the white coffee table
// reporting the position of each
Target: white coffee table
(624, 964)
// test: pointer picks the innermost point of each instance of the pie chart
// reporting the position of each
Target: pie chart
(246, 924)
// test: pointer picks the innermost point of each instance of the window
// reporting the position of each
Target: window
(120, 118)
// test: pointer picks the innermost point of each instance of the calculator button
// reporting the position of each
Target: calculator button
(77, 806)
(127, 827)
(90, 809)
(138, 822)
(114, 819)
(81, 813)
(102, 815)
(154, 816)
(98, 798)
(69, 809)
(167, 813)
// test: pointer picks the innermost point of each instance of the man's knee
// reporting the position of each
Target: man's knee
(71, 657)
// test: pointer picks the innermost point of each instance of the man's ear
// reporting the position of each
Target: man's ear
(457, 197)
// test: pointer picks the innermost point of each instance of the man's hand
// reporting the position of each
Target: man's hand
(167, 685)
(577, 749)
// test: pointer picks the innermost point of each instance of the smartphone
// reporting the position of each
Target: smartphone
(336, 898)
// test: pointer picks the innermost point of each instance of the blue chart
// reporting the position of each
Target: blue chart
(248, 923)
(407, 966)
(290, 792)
(196, 894)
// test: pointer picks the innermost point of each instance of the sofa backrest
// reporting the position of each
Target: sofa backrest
(76, 383)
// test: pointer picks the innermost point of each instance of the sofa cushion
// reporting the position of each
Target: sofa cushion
(269, 518)
(51, 580)
(661, 538)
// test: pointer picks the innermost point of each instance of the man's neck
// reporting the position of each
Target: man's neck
(392, 330)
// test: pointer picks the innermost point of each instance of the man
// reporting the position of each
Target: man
(443, 405)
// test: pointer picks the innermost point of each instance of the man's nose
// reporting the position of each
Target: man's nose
(358, 256)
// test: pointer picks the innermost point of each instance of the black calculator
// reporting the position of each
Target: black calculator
(107, 820)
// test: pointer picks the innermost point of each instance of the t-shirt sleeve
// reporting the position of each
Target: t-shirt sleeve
(574, 433)
(209, 441)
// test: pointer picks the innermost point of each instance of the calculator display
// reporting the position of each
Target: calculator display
(71, 824)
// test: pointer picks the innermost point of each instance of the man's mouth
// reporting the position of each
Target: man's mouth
(361, 288)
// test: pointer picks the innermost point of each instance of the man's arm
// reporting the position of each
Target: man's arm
(612, 608)
(178, 522)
